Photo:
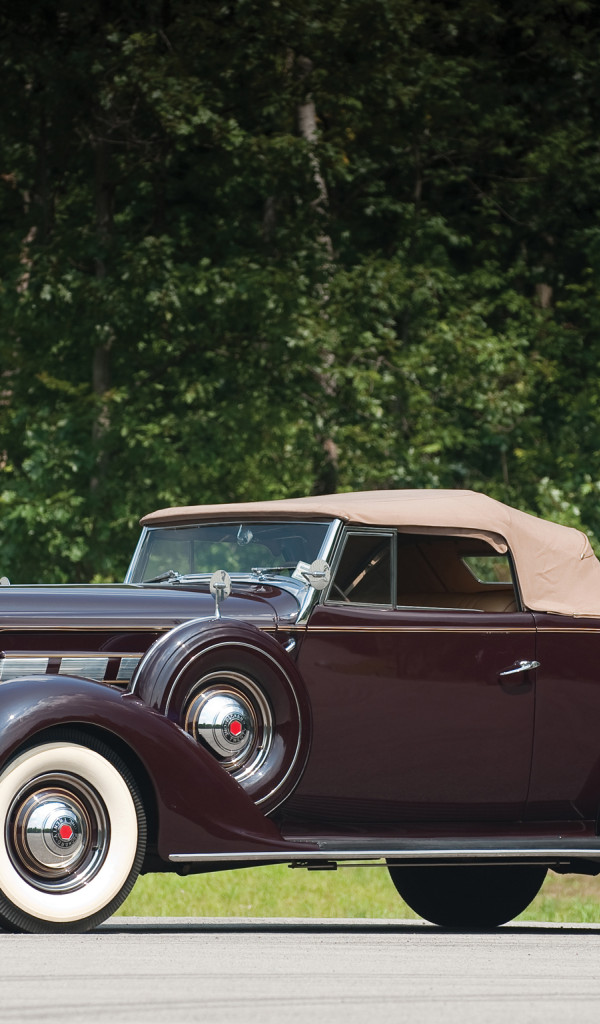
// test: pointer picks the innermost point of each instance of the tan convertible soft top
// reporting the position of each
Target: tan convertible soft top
(557, 569)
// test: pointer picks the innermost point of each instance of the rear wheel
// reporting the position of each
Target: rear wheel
(72, 835)
(468, 897)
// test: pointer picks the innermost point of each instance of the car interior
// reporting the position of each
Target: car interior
(442, 572)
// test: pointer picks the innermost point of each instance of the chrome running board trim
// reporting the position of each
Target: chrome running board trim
(414, 849)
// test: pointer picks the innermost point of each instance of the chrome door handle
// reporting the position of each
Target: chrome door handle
(521, 666)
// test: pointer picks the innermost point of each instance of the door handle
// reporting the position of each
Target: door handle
(520, 666)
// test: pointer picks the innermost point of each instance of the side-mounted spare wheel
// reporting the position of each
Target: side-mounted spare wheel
(237, 692)
(73, 835)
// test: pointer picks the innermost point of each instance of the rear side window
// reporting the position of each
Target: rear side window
(454, 573)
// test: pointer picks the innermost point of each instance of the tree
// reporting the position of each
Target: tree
(206, 297)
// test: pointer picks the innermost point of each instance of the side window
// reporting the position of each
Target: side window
(364, 572)
(454, 573)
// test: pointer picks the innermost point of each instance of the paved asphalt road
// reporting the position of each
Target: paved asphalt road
(281, 972)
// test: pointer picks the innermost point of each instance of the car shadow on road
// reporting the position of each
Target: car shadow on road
(328, 926)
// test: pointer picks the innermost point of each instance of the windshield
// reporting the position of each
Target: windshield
(237, 547)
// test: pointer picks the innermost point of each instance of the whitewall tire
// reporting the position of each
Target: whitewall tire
(72, 835)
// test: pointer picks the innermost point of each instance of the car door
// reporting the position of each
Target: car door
(413, 720)
(565, 778)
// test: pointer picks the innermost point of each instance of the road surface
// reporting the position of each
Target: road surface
(221, 971)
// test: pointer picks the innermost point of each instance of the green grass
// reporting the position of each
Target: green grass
(279, 891)
(573, 898)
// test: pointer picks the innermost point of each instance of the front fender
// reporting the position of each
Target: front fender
(200, 807)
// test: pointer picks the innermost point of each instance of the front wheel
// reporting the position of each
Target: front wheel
(73, 836)
(478, 896)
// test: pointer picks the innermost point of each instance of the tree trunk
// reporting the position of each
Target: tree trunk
(326, 465)
(307, 126)
(101, 376)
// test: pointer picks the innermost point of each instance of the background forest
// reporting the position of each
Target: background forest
(261, 248)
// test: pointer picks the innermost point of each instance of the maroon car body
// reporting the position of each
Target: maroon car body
(377, 686)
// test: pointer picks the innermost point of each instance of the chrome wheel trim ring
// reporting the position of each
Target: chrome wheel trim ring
(57, 832)
(233, 697)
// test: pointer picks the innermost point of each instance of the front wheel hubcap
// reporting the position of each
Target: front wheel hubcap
(57, 832)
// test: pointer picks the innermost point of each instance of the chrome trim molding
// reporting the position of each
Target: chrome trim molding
(136, 553)
(86, 665)
(567, 629)
(483, 629)
(128, 665)
(426, 850)
(353, 530)
(312, 596)
(15, 667)
(91, 668)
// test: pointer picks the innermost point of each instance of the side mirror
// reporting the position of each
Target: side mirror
(318, 574)
(220, 588)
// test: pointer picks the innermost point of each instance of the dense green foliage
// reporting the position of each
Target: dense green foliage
(204, 300)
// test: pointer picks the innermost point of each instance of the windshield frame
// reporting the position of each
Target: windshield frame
(136, 571)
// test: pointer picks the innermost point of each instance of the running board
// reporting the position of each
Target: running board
(550, 849)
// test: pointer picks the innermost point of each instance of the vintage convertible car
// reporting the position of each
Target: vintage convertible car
(409, 678)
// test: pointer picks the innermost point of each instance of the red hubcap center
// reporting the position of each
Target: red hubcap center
(65, 832)
(235, 728)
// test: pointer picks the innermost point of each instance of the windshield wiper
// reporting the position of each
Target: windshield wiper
(170, 576)
(271, 570)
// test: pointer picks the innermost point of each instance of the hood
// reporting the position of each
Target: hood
(125, 606)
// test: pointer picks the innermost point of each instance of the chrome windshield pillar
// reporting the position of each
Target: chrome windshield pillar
(311, 596)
